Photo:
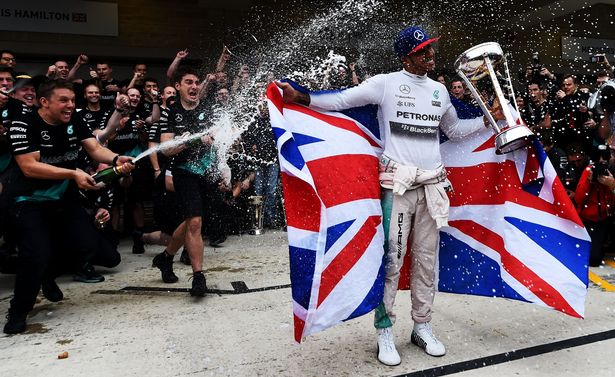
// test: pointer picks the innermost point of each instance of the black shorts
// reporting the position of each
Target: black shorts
(192, 192)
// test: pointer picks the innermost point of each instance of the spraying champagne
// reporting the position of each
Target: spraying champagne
(108, 175)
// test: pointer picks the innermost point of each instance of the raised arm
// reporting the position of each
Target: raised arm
(181, 55)
(225, 56)
(369, 92)
(81, 60)
(116, 121)
(456, 128)
(135, 78)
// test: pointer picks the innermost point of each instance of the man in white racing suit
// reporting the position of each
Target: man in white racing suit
(412, 110)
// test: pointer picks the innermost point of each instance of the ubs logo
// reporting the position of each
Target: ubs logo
(405, 89)
(405, 104)
(45, 135)
(179, 117)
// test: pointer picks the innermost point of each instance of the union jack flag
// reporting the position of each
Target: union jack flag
(329, 167)
(513, 231)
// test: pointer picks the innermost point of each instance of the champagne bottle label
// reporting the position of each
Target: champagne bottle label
(107, 175)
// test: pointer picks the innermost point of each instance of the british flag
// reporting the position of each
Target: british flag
(513, 231)
(329, 167)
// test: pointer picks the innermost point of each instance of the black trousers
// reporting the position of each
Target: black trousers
(597, 232)
(45, 231)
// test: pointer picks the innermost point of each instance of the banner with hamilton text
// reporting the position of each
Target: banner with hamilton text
(66, 17)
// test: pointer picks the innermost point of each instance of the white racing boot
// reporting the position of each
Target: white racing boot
(387, 353)
(422, 336)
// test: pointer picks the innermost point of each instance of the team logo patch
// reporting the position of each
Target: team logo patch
(436, 94)
(45, 135)
(179, 117)
(436, 104)
(5, 113)
(88, 116)
(419, 35)
(69, 129)
(201, 116)
(405, 89)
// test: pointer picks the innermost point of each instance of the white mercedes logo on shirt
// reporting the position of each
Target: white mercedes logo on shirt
(178, 118)
(419, 35)
(45, 135)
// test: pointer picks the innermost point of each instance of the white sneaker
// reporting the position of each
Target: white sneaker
(422, 336)
(387, 353)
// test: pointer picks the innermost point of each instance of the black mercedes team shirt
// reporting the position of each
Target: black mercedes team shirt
(13, 108)
(160, 127)
(154, 132)
(126, 140)
(107, 98)
(95, 119)
(196, 159)
(58, 146)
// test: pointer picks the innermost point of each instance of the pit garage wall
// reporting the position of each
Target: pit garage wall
(154, 30)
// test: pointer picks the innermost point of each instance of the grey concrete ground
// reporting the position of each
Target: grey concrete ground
(149, 333)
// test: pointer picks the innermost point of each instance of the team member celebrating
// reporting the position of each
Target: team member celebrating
(45, 144)
(194, 172)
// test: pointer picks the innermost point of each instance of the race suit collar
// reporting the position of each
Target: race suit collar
(413, 76)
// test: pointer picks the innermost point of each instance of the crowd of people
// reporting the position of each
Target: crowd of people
(59, 129)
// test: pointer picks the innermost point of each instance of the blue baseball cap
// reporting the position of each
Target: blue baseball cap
(411, 40)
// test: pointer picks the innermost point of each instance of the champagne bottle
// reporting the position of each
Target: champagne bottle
(108, 175)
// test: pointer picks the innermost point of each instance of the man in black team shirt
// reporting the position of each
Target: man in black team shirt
(539, 108)
(194, 174)
(92, 113)
(139, 72)
(151, 93)
(108, 85)
(9, 109)
(46, 203)
(6, 83)
(130, 140)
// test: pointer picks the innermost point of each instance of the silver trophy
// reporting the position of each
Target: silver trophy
(481, 68)
(257, 204)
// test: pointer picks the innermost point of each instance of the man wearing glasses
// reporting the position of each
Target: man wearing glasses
(7, 58)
